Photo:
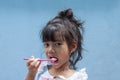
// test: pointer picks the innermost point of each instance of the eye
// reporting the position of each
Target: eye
(57, 44)
(46, 45)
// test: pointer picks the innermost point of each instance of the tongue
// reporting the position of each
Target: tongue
(53, 59)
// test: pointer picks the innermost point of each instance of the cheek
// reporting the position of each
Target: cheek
(46, 50)
(65, 52)
(64, 57)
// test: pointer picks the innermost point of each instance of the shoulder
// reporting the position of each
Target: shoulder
(82, 74)
(79, 75)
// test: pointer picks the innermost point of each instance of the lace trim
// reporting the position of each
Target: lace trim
(81, 74)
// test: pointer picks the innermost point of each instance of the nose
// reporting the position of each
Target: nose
(50, 49)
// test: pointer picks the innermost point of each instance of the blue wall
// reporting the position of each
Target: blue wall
(21, 21)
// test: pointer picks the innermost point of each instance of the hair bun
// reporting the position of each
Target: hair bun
(66, 13)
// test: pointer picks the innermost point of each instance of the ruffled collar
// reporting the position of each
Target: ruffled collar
(78, 75)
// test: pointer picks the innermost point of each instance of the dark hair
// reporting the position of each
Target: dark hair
(70, 29)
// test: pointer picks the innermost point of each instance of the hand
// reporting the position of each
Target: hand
(32, 65)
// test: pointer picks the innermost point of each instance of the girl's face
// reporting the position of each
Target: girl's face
(58, 50)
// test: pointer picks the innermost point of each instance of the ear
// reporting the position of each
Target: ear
(73, 47)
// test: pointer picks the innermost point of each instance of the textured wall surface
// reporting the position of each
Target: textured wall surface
(22, 20)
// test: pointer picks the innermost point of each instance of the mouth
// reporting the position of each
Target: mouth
(53, 59)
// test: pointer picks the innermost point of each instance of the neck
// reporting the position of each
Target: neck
(65, 67)
(63, 70)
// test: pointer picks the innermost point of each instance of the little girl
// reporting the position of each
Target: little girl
(62, 38)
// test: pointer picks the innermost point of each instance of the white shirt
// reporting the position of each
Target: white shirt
(43, 74)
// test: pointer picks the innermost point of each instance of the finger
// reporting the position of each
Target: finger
(33, 63)
(30, 60)
(37, 63)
